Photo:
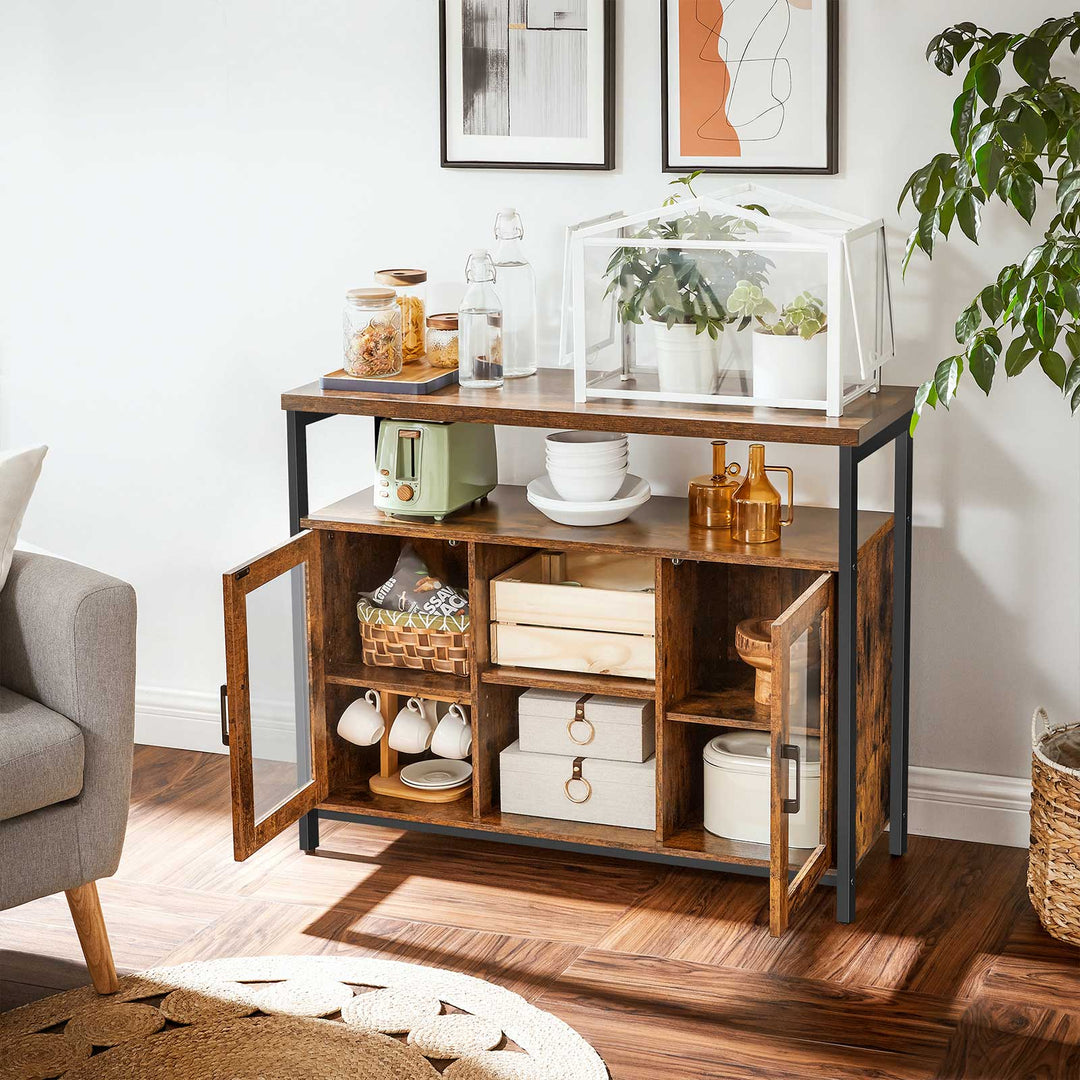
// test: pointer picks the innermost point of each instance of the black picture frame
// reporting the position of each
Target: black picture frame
(832, 124)
(609, 108)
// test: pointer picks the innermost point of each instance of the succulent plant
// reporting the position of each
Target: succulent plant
(803, 317)
(749, 300)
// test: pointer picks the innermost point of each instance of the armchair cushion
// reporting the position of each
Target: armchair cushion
(41, 756)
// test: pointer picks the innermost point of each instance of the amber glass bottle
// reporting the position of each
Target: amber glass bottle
(710, 496)
(756, 517)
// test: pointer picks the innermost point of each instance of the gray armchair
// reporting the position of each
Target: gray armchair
(67, 719)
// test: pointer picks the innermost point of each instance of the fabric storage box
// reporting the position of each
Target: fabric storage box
(576, 611)
(562, 722)
(578, 789)
(738, 789)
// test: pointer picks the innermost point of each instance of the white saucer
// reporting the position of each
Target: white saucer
(436, 775)
(634, 493)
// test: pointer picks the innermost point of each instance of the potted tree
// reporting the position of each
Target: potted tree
(1007, 145)
(683, 295)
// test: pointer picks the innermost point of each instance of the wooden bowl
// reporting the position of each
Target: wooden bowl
(753, 643)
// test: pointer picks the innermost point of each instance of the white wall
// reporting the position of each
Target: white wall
(187, 189)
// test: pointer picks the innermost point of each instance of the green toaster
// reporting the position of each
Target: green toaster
(430, 468)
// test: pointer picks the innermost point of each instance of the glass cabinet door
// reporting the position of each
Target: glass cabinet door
(802, 704)
(273, 693)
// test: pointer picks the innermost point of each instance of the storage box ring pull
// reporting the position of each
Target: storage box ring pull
(580, 718)
(576, 775)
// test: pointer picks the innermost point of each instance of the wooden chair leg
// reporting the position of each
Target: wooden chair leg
(90, 926)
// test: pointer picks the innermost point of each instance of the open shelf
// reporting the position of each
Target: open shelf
(735, 708)
(393, 680)
(574, 681)
(661, 528)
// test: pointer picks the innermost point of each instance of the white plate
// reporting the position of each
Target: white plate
(634, 493)
(436, 775)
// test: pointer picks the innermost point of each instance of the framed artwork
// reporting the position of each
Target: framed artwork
(749, 86)
(527, 84)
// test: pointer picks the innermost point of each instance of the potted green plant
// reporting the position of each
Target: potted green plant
(790, 353)
(683, 295)
(1008, 145)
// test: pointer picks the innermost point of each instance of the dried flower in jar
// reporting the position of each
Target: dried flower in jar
(375, 350)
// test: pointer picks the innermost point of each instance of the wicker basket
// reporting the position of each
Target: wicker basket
(399, 639)
(1054, 862)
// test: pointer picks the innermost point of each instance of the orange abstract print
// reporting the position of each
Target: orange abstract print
(704, 83)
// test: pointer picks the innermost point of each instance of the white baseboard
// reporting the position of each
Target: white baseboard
(191, 720)
(941, 802)
(969, 806)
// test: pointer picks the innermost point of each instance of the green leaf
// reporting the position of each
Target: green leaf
(1068, 191)
(967, 324)
(946, 377)
(1018, 356)
(1054, 366)
(1074, 402)
(1022, 195)
(922, 397)
(963, 115)
(982, 361)
(987, 80)
(969, 214)
(990, 298)
(1072, 379)
(925, 232)
(1034, 129)
(988, 161)
(1032, 61)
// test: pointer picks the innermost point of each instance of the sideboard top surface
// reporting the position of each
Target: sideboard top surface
(547, 400)
(658, 529)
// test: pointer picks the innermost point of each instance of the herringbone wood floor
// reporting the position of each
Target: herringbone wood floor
(670, 973)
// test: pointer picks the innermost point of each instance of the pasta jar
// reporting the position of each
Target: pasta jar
(372, 326)
(411, 287)
(442, 351)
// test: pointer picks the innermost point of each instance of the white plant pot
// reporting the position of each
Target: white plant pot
(686, 361)
(789, 367)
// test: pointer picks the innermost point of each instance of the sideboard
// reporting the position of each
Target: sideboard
(849, 568)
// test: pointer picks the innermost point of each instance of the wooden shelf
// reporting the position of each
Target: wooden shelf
(734, 708)
(547, 400)
(660, 529)
(394, 680)
(577, 681)
(360, 799)
(696, 840)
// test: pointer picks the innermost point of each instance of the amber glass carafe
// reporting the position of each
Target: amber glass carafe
(755, 507)
(710, 496)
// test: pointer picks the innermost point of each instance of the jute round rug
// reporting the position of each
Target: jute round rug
(293, 1018)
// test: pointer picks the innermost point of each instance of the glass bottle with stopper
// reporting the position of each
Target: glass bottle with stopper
(710, 496)
(517, 291)
(480, 319)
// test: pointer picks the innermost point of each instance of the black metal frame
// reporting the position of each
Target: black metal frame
(832, 107)
(847, 674)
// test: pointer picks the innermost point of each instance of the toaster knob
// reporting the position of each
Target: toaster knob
(405, 493)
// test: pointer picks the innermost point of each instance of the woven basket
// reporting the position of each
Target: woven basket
(1054, 862)
(408, 643)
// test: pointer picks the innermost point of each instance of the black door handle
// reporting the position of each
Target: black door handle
(224, 714)
(790, 752)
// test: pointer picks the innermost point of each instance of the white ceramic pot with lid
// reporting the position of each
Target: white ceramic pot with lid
(738, 769)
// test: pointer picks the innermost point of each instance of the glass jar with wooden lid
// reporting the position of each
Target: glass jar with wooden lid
(411, 289)
(442, 340)
(372, 327)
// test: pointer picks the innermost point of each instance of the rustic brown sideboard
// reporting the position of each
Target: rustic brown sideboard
(848, 568)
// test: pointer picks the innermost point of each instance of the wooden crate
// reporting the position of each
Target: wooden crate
(576, 611)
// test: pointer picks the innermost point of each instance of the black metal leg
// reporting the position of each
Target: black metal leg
(298, 507)
(847, 674)
(901, 656)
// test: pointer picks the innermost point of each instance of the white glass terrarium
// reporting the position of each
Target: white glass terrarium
(746, 296)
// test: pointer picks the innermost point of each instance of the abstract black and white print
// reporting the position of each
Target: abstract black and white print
(530, 73)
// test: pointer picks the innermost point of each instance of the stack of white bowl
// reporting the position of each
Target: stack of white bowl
(587, 466)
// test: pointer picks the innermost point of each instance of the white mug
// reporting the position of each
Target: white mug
(453, 736)
(411, 731)
(362, 722)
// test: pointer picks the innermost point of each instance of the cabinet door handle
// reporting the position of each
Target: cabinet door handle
(790, 752)
(224, 714)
